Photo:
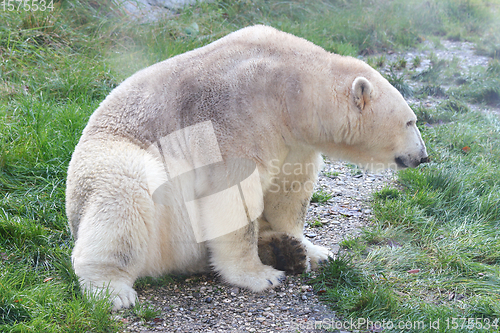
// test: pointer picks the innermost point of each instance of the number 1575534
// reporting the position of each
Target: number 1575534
(26, 5)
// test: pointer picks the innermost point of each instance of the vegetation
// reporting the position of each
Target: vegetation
(320, 196)
(56, 67)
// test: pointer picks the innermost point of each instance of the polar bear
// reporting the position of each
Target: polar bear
(260, 103)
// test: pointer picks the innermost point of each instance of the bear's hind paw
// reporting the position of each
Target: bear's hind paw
(124, 298)
(120, 294)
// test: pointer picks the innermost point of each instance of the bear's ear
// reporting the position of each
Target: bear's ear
(362, 92)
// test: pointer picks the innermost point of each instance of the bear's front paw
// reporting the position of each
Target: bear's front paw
(267, 278)
(317, 254)
(256, 280)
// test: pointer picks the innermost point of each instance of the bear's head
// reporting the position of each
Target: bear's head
(376, 128)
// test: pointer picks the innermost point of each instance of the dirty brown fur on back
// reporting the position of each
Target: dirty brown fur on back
(283, 252)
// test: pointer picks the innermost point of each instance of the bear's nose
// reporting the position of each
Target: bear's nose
(425, 159)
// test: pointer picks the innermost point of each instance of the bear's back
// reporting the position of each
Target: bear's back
(216, 82)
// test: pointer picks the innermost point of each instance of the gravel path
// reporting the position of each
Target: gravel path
(202, 303)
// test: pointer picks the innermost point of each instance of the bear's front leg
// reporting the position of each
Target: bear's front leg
(235, 257)
(287, 199)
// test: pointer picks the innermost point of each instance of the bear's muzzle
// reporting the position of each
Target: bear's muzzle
(409, 162)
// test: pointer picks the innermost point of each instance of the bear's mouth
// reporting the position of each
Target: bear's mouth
(401, 164)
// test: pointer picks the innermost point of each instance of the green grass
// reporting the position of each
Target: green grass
(316, 224)
(320, 196)
(56, 67)
(482, 86)
(399, 82)
(145, 311)
(331, 174)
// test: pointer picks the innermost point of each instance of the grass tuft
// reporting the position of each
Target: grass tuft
(387, 193)
(432, 90)
(400, 84)
(454, 105)
(145, 311)
(320, 196)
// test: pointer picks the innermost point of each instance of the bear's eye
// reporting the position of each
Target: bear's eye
(410, 123)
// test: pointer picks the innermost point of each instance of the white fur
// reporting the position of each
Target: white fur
(272, 98)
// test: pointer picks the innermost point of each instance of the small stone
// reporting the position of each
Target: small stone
(260, 319)
(208, 299)
(234, 290)
(304, 297)
(311, 235)
(336, 193)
